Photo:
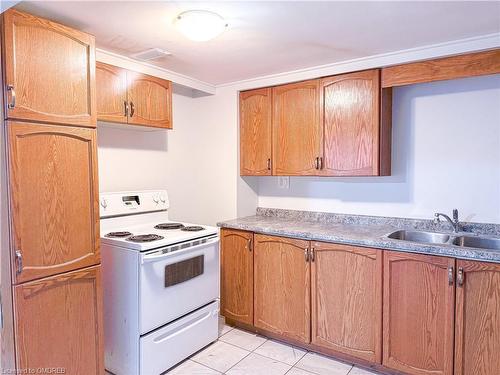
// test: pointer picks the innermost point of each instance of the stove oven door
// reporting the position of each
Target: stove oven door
(175, 283)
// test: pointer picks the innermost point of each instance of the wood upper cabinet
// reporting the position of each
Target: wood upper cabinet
(54, 199)
(58, 323)
(111, 83)
(477, 328)
(350, 116)
(297, 132)
(49, 71)
(237, 275)
(150, 100)
(282, 287)
(419, 303)
(255, 132)
(346, 284)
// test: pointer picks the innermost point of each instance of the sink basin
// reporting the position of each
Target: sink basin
(418, 236)
(479, 242)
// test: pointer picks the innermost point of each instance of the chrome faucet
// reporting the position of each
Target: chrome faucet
(454, 223)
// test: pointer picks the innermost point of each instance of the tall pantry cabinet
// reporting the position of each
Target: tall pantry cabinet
(52, 305)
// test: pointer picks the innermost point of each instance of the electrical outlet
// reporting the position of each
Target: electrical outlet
(284, 182)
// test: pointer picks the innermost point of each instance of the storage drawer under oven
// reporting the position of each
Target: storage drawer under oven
(169, 345)
(176, 283)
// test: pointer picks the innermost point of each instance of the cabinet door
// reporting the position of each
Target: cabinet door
(255, 132)
(419, 301)
(282, 287)
(347, 300)
(350, 115)
(477, 329)
(50, 69)
(237, 275)
(54, 199)
(150, 100)
(111, 83)
(59, 323)
(296, 129)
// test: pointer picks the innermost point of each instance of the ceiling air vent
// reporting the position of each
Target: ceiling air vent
(150, 54)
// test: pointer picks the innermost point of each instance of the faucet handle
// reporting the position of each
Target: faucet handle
(455, 214)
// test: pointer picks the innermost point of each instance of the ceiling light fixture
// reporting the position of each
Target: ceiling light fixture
(200, 25)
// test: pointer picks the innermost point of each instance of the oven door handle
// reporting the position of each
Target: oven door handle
(154, 258)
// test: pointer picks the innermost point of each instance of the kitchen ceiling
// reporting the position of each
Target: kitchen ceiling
(272, 37)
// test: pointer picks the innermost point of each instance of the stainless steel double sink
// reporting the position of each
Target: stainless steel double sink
(443, 238)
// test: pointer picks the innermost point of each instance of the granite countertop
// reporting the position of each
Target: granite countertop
(368, 231)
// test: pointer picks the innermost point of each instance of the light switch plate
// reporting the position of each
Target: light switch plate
(284, 182)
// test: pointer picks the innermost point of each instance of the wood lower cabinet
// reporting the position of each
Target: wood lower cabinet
(346, 286)
(255, 132)
(297, 132)
(57, 325)
(49, 71)
(150, 100)
(237, 275)
(419, 303)
(477, 327)
(352, 125)
(282, 287)
(112, 100)
(54, 199)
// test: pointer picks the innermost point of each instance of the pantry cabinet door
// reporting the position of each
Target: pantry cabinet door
(150, 100)
(54, 199)
(477, 329)
(282, 287)
(49, 71)
(255, 132)
(111, 83)
(419, 304)
(350, 115)
(59, 323)
(296, 129)
(237, 275)
(347, 300)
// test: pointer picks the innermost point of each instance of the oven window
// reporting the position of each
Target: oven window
(183, 271)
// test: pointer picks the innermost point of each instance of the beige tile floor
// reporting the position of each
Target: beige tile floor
(238, 352)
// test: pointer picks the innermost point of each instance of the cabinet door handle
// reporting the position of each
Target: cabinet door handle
(19, 261)
(316, 163)
(320, 162)
(269, 164)
(460, 276)
(306, 254)
(450, 275)
(132, 109)
(12, 103)
(125, 108)
(312, 256)
(249, 244)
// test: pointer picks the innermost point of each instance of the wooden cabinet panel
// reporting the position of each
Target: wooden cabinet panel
(296, 128)
(350, 116)
(347, 300)
(111, 83)
(51, 69)
(418, 313)
(54, 199)
(237, 275)
(150, 100)
(477, 332)
(59, 323)
(282, 287)
(255, 132)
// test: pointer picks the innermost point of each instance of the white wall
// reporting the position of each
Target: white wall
(446, 154)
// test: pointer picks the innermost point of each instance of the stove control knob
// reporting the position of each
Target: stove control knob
(104, 204)
(163, 198)
(156, 199)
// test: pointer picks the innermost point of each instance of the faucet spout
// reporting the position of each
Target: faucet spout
(455, 223)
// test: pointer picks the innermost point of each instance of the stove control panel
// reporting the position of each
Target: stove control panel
(127, 203)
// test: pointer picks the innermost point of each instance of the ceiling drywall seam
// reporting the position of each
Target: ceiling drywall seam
(480, 43)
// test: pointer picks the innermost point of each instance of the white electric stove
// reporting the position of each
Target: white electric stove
(160, 281)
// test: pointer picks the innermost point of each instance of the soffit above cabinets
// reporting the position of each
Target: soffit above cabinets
(271, 37)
